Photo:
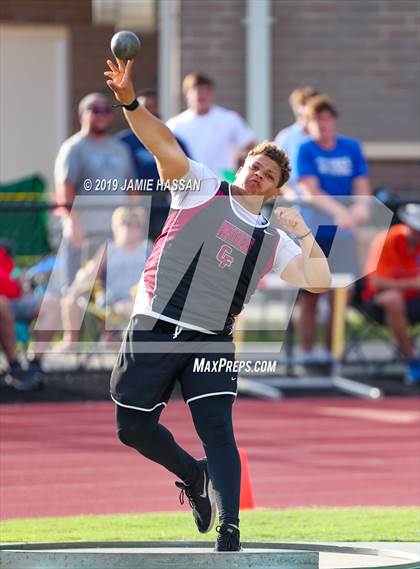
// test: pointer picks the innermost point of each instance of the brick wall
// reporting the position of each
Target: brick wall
(364, 53)
(213, 41)
(88, 47)
(45, 11)
(401, 176)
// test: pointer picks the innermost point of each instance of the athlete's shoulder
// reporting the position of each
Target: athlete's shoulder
(200, 171)
(201, 183)
(282, 234)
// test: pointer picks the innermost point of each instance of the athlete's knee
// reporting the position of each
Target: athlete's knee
(129, 434)
(135, 430)
(126, 435)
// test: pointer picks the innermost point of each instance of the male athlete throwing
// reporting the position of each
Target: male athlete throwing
(214, 248)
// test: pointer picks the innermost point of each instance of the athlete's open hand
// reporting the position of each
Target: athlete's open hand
(120, 81)
(291, 221)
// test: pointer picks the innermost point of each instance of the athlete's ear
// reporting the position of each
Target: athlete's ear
(275, 192)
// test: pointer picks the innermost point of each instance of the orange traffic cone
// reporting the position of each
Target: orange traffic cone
(247, 498)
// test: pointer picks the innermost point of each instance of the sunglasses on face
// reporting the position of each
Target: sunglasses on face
(100, 110)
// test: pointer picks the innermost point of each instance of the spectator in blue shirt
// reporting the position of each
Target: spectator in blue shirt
(292, 137)
(146, 168)
(330, 166)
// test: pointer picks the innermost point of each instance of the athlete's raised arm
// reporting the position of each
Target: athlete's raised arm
(153, 133)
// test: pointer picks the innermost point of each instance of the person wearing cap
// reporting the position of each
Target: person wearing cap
(392, 290)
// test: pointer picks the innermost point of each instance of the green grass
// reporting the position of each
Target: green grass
(314, 524)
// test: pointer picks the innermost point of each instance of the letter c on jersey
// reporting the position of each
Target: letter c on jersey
(224, 256)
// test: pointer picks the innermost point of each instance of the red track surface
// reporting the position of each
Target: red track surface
(64, 459)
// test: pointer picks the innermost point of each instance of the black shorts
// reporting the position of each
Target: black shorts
(144, 375)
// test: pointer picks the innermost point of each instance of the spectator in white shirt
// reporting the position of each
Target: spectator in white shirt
(214, 135)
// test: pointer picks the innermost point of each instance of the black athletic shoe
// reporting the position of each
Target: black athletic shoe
(201, 499)
(228, 539)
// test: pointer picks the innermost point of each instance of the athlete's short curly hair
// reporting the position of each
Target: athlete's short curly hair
(276, 154)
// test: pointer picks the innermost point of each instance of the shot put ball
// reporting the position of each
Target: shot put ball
(125, 45)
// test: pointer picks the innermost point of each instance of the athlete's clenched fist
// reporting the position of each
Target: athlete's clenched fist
(291, 221)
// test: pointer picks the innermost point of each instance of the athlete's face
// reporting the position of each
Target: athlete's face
(259, 176)
(200, 99)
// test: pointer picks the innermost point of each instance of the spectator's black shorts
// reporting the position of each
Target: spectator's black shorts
(155, 354)
(375, 311)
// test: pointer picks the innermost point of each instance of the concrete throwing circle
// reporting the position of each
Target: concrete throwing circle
(197, 555)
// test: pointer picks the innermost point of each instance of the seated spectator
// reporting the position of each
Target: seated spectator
(146, 168)
(120, 263)
(14, 304)
(331, 168)
(392, 285)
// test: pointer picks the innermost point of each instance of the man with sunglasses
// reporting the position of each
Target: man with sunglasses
(90, 169)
